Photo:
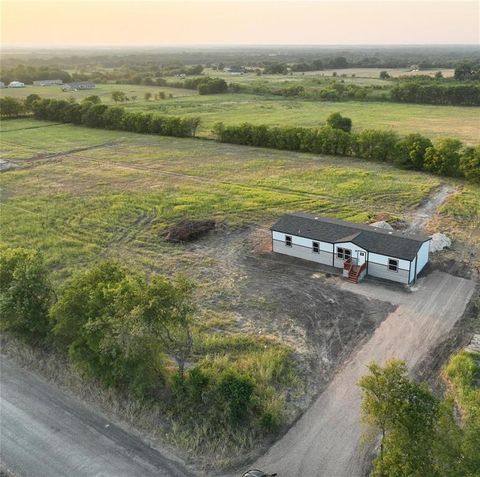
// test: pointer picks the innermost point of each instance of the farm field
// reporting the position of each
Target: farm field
(431, 120)
(104, 91)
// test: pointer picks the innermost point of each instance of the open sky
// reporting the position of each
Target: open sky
(64, 23)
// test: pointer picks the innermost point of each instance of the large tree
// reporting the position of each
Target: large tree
(165, 316)
(25, 293)
(404, 413)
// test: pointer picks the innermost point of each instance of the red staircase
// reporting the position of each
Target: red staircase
(354, 271)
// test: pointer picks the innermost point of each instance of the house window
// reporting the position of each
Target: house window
(288, 240)
(344, 253)
(393, 265)
(315, 247)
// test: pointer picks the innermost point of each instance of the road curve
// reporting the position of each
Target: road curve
(45, 433)
(326, 441)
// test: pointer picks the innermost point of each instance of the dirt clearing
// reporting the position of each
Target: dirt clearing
(326, 441)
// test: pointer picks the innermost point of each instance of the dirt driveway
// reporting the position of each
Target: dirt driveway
(326, 441)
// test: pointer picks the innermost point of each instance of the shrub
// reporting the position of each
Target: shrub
(337, 121)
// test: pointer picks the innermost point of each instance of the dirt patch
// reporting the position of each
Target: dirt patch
(7, 165)
(291, 300)
(428, 208)
(428, 370)
(190, 230)
(455, 262)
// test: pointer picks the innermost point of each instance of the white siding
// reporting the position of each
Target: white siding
(350, 246)
(378, 267)
(302, 248)
(383, 260)
(412, 270)
(302, 241)
(422, 255)
(377, 263)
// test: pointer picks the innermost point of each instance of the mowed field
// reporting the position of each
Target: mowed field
(119, 192)
(432, 121)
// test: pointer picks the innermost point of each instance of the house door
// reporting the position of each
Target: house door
(360, 257)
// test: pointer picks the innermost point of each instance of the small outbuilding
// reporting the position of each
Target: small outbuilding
(16, 84)
(358, 249)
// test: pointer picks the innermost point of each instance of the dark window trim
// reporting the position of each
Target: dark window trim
(316, 247)
(390, 264)
(341, 253)
(288, 241)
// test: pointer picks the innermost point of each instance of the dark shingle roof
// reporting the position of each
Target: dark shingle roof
(385, 242)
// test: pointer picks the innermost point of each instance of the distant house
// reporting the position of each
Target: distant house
(79, 85)
(16, 84)
(47, 82)
(359, 250)
(2, 84)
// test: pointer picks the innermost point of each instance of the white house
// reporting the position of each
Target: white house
(16, 84)
(358, 249)
(48, 82)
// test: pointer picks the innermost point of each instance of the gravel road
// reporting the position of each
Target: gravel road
(326, 441)
(43, 432)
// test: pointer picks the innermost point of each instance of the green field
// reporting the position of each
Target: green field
(102, 90)
(432, 121)
(118, 198)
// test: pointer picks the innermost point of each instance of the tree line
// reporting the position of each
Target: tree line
(448, 157)
(420, 434)
(116, 326)
(97, 115)
(434, 92)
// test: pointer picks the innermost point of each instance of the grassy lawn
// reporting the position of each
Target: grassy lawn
(117, 200)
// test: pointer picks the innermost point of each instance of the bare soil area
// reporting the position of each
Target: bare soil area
(327, 439)
(297, 302)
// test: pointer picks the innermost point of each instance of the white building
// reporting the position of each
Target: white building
(79, 85)
(48, 82)
(358, 249)
(16, 84)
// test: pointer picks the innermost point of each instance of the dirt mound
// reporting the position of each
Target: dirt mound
(382, 224)
(439, 242)
(189, 230)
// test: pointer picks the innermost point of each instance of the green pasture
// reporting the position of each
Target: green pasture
(104, 91)
(432, 121)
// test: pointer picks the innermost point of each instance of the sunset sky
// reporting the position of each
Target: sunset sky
(65, 23)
